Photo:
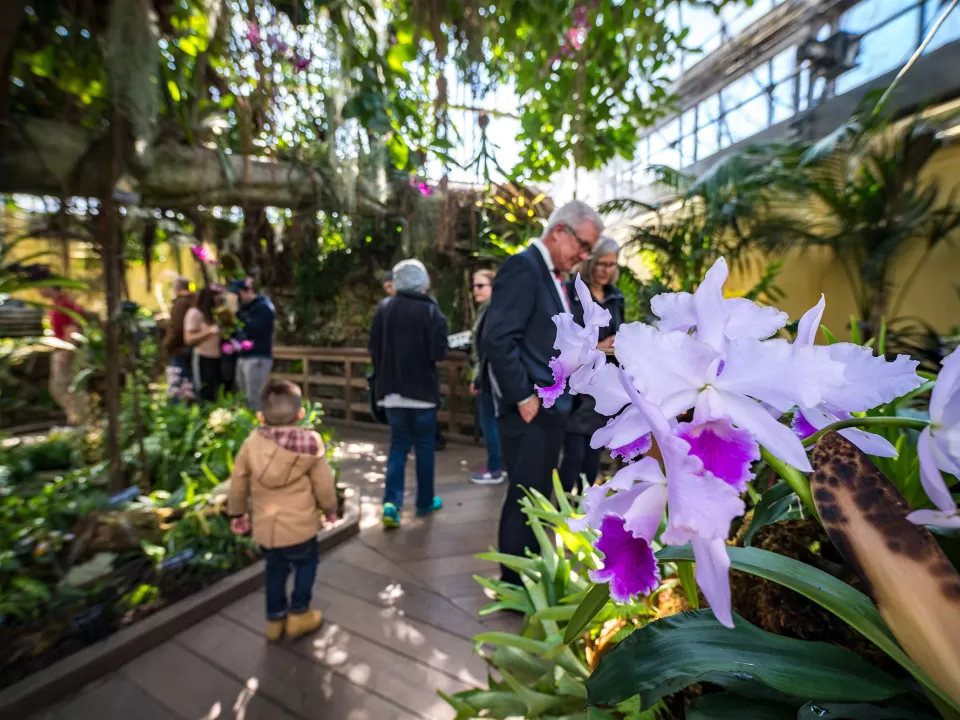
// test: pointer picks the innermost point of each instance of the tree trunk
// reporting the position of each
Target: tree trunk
(12, 13)
(110, 242)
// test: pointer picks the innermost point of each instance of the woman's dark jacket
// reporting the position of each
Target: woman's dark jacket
(407, 339)
(585, 420)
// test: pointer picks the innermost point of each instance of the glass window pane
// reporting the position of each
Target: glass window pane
(804, 88)
(708, 110)
(783, 101)
(948, 32)
(704, 27)
(738, 18)
(784, 64)
(747, 120)
(869, 14)
(738, 92)
(706, 141)
(882, 50)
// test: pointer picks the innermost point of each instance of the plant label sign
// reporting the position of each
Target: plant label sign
(125, 496)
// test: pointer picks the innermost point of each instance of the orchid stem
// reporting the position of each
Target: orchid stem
(792, 477)
(866, 422)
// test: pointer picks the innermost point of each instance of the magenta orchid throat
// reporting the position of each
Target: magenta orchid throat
(719, 358)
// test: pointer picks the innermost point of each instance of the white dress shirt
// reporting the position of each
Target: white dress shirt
(564, 301)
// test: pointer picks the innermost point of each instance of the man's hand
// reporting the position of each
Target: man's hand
(529, 409)
(473, 390)
(240, 525)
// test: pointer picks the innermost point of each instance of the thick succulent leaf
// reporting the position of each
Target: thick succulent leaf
(915, 586)
(678, 651)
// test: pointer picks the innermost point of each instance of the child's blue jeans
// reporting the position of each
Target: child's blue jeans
(302, 560)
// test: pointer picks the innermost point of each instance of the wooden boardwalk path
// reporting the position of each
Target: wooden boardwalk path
(400, 609)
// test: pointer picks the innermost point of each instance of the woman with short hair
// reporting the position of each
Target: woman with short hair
(408, 338)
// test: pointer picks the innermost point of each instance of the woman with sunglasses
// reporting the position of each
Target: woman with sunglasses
(492, 474)
(600, 272)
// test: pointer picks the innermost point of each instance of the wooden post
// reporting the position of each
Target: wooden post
(348, 388)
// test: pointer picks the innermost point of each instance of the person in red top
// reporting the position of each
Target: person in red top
(64, 322)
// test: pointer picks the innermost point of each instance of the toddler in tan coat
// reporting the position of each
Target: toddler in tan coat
(280, 478)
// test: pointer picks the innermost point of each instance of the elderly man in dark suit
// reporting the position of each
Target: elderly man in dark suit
(517, 342)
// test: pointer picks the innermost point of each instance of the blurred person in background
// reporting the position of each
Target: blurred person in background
(66, 315)
(408, 338)
(599, 272)
(175, 347)
(201, 331)
(256, 317)
(492, 474)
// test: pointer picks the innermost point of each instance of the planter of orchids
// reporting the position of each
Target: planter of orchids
(813, 414)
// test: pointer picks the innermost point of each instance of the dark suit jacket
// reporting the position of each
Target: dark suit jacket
(518, 330)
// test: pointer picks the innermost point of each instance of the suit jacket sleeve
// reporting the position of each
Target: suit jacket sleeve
(511, 307)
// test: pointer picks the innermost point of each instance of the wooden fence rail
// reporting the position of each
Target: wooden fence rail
(337, 378)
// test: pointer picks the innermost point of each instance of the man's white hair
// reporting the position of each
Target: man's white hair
(573, 215)
(410, 276)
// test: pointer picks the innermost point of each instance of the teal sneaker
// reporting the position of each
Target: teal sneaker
(391, 516)
(434, 506)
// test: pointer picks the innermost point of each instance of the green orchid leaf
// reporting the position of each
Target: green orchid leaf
(688, 581)
(851, 606)
(728, 706)
(591, 605)
(777, 504)
(675, 652)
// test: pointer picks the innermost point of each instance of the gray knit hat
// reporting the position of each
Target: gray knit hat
(410, 276)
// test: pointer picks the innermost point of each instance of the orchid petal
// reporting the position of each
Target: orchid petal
(777, 438)
(623, 430)
(709, 307)
(645, 470)
(820, 417)
(675, 311)
(700, 505)
(869, 380)
(598, 503)
(810, 323)
(726, 452)
(570, 341)
(802, 426)
(593, 314)
(938, 518)
(945, 398)
(645, 514)
(551, 394)
(669, 368)
(749, 320)
(628, 452)
(946, 447)
(629, 565)
(930, 477)
(777, 372)
(600, 382)
(713, 576)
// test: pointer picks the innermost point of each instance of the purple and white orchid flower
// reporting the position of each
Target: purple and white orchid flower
(868, 381)
(938, 448)
(577, 345)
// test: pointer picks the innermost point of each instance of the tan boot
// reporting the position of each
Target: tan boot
(303, 623)
(275, 630)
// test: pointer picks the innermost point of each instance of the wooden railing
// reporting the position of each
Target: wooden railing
(337, 378)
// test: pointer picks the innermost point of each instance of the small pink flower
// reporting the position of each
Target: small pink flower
(253, 33)
(200, 253)
(227, 349)
(246, 345)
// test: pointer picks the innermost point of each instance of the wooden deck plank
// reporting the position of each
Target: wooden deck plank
(111, 697)
(299, 684)
(392, 629)
(197, 690)
(364, 664)
(411, 599)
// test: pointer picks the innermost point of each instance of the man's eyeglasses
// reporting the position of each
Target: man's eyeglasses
(584, 245)
(477, 286)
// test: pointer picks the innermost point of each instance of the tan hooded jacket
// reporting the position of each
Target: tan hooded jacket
(280, 477)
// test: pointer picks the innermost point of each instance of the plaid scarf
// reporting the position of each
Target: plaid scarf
(294, 439)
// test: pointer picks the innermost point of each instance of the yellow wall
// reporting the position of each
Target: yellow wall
(85, 265)
(933, 296)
